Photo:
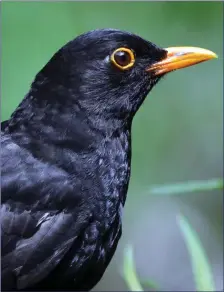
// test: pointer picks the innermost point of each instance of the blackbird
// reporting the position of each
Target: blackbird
(66, 156)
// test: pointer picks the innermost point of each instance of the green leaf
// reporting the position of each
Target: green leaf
(200, 266)
(129, 270)
(191, 186)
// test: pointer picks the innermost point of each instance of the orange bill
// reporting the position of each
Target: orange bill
(181, 57)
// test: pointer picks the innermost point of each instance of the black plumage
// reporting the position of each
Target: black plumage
(66, 154)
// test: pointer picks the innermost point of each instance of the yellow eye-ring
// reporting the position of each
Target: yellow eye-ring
(123, 58)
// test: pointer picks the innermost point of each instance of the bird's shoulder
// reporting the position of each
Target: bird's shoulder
(27, 179)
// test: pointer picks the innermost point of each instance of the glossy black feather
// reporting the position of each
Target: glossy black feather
(66, 156)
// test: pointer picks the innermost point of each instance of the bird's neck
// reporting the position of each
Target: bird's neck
(41, 123)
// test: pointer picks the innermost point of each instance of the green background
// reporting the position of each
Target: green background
(177, 133)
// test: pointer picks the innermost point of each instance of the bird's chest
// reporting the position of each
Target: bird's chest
(114, 159)
(105, 177)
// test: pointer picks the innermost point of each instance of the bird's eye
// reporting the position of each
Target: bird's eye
(123, 58)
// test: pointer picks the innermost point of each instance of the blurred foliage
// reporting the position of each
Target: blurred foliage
(201, 269)
(130, 271)
(186, 187)
(177, 135)
(200, 266)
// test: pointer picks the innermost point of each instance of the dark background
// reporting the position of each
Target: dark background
(177, 134)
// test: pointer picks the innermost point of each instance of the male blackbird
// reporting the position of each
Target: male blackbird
(66, 155)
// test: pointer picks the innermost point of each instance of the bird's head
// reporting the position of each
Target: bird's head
(110, 72)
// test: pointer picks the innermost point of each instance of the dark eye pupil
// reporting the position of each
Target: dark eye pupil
(122, 58)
